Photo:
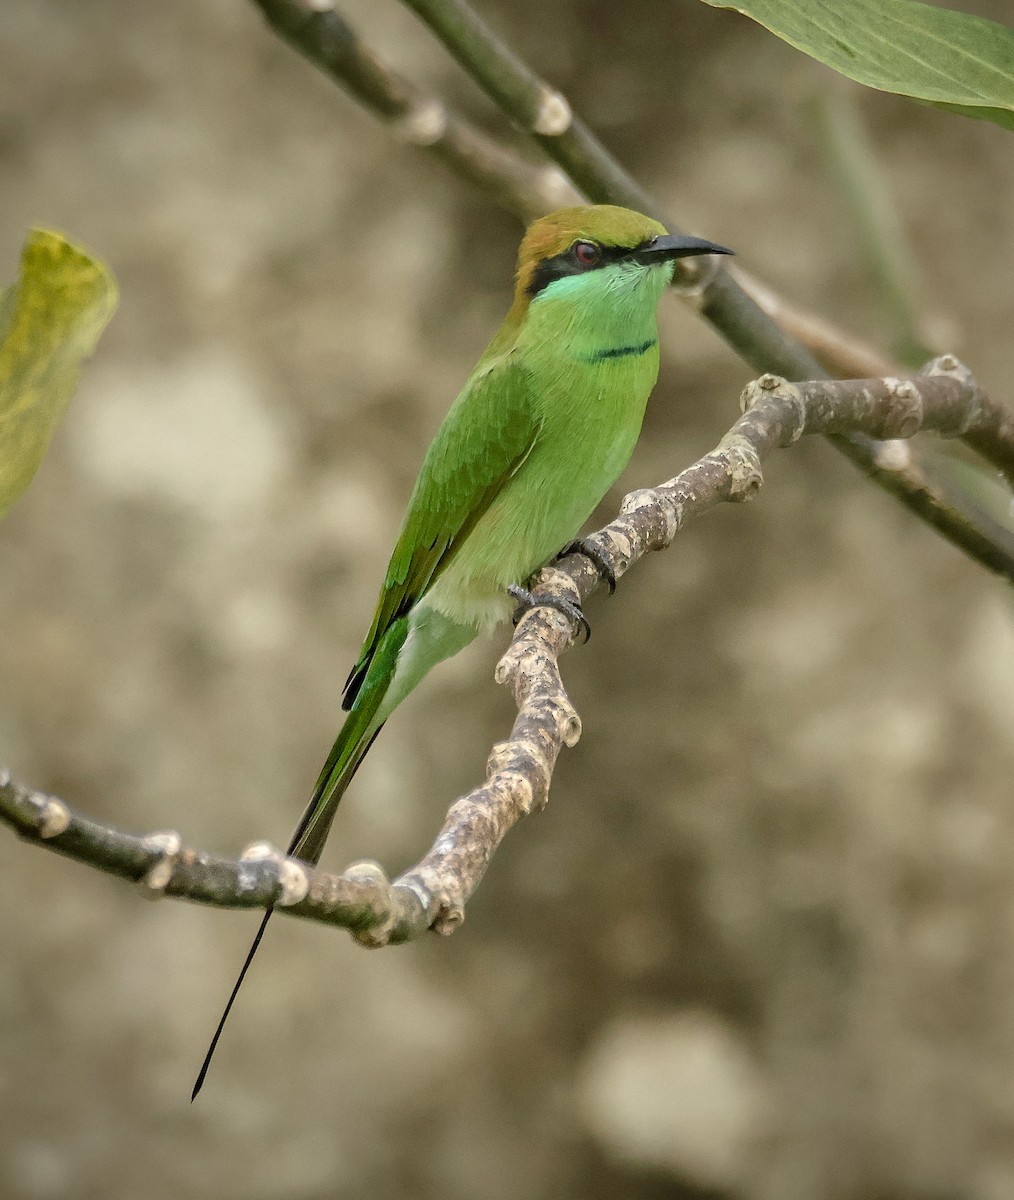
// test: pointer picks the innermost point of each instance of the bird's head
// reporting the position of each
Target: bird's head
(559, 250)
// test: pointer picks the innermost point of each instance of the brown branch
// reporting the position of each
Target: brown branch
(377, 912)
(328, 41)
(943, 398)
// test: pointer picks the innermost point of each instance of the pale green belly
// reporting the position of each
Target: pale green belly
(587, 438)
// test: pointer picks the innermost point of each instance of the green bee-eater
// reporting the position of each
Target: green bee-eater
(544, 425)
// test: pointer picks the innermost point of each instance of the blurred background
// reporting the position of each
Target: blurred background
(761, 943)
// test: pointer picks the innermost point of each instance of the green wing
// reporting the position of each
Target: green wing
(486, 436)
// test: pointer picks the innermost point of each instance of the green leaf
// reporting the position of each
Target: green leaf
(50, 322)
(955, 61)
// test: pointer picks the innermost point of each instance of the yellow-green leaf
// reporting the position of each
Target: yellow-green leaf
(950, 59)
(50, 322)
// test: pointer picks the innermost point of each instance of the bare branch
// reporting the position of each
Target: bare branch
(324, 37)
(538, 108)
(943, 398)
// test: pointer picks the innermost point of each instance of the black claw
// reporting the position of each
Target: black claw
(586, 547)
(527, 600)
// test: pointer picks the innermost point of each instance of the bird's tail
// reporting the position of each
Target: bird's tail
(354, 739)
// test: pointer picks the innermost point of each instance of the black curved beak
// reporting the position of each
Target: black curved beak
(675, 245)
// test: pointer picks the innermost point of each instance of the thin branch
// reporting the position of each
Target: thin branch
(943, 398)
(328, 41)
(540, 110)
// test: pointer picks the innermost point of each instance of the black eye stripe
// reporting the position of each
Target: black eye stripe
(562, 265)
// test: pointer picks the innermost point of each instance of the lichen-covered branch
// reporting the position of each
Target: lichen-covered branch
(943, 398)
(376, 912)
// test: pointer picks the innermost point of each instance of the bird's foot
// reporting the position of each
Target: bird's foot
(528, 600)
(587, 547)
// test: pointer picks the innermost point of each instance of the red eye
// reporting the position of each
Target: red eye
(587, 253)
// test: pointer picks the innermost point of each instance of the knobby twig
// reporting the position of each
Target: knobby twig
(541, 111)
(943, 398)
(324, 37)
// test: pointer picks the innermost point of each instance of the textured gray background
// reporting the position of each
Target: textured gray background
(761, 944)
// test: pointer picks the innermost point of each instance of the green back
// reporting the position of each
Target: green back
(487, 435)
